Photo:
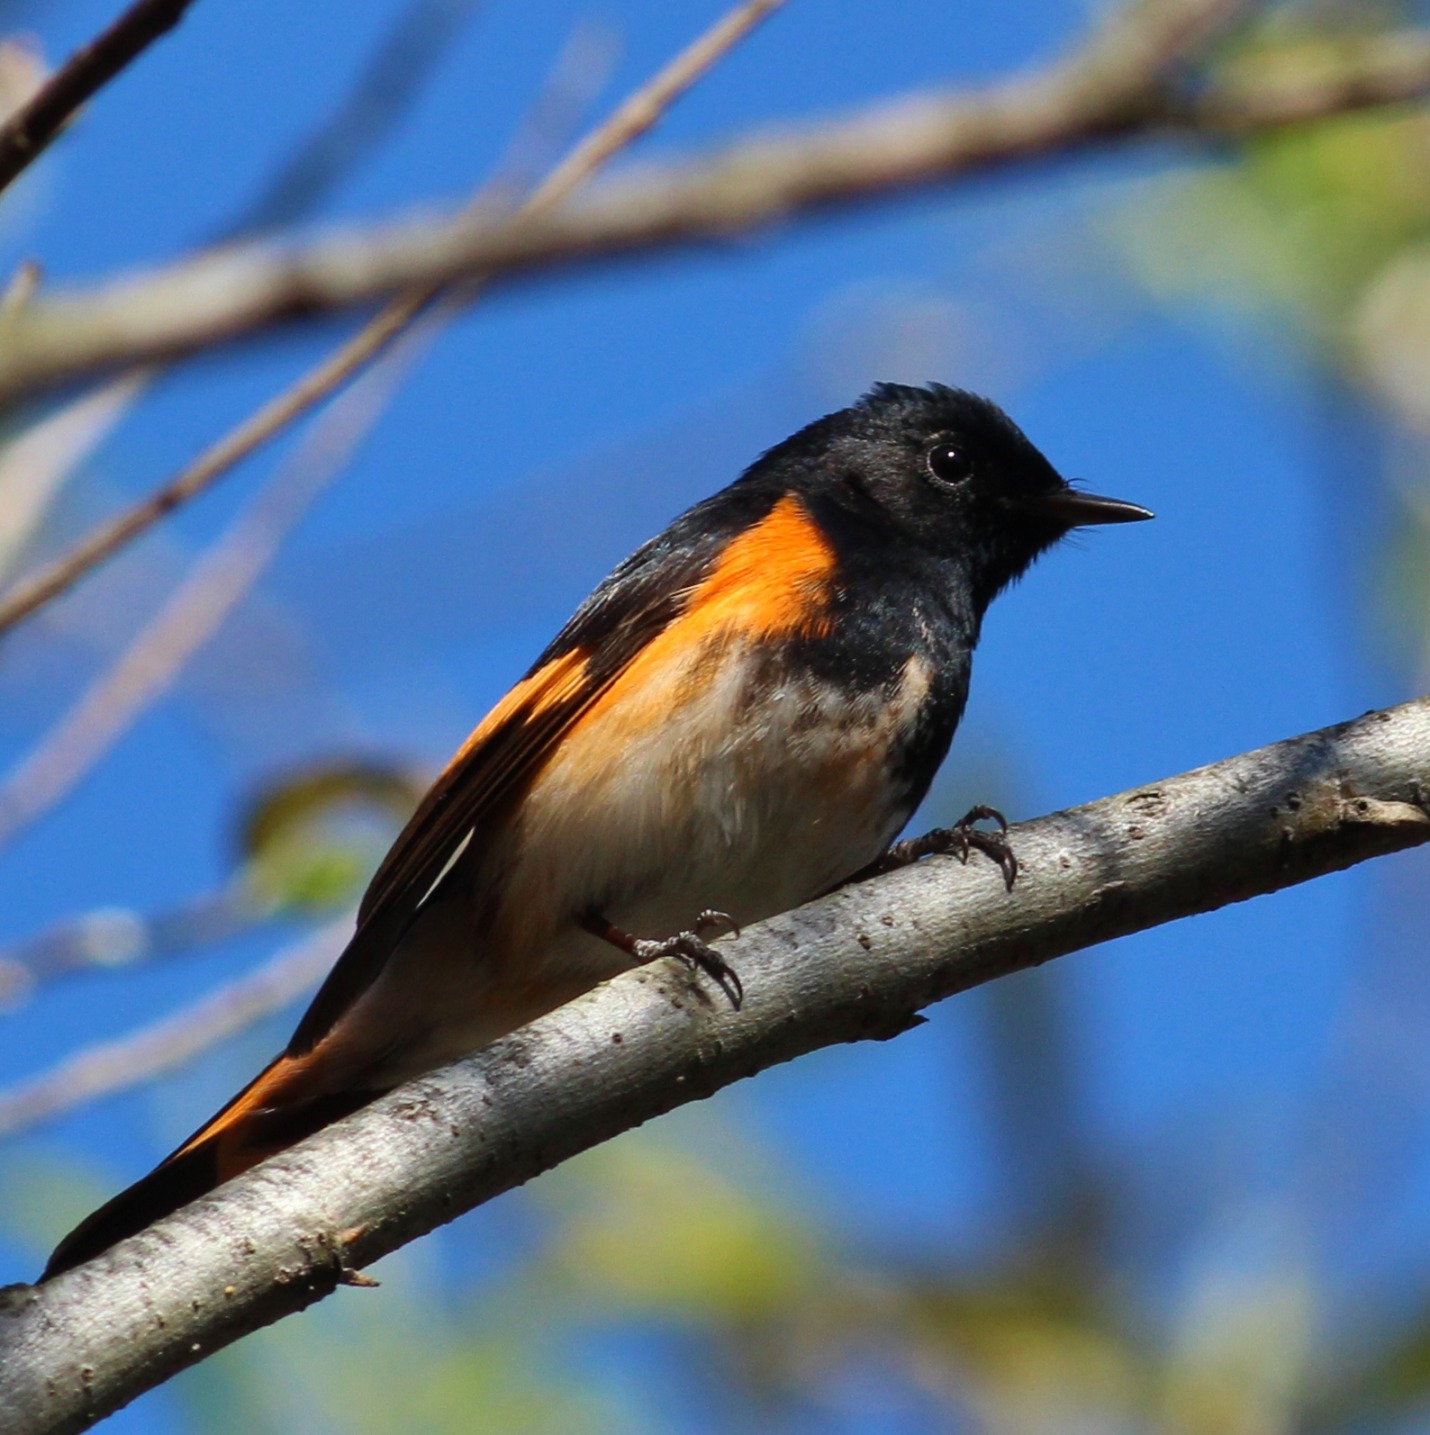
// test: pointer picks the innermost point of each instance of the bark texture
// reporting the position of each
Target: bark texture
(858, 964)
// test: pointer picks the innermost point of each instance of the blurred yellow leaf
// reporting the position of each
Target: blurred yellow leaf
(310, 839)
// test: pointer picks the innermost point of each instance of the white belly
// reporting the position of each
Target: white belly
(746, 802)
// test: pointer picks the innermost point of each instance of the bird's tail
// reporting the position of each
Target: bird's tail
(273, 1112)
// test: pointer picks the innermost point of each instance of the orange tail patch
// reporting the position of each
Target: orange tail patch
(229, 1136)
(258, 1122)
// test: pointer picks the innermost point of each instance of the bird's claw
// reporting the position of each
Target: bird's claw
(711, 923)
(961, 839)
(688, 947)
(697, 954)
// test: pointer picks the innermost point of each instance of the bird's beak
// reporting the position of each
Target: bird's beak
(1077, 509)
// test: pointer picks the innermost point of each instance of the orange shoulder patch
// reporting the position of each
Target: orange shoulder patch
(772, 579)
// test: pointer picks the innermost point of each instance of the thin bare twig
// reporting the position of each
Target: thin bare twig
(629, 122)
(197, 608)
(116, 937)
(558, 113)
(28, 132)
(35, 464)
(113, 1066)
(856, 965)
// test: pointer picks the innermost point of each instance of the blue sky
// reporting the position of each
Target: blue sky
(553, 428)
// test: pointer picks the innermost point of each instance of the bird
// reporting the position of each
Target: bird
(741, 717)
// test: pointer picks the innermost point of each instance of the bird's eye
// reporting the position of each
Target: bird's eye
(949, 464)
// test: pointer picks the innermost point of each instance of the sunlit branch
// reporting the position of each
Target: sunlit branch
(858, 964)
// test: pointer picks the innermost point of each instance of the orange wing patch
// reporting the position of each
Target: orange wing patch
(550, 696)
(264, 1091)
(549, 687)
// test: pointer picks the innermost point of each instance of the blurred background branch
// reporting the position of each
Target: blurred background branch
(633, 118)
(306, 843)
(391, 82)
(110, 938)
(198, 607)
(1124, 83)
(107, 1067)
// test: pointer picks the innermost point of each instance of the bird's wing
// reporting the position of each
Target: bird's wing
(729, 565)
(639, 600)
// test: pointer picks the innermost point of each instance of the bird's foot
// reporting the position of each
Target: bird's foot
(689, 947)
(959, 840)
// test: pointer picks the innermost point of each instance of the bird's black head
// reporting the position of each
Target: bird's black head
(946, 471)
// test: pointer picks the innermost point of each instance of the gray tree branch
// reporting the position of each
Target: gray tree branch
(1124, 83)
(858, 964)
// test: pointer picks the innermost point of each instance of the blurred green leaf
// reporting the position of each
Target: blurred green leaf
(399, 1361)
(650, 1228)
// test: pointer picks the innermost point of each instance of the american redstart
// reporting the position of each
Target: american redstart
(741, 717)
